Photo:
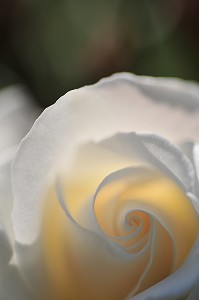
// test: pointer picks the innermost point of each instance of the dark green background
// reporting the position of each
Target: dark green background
(57, 45)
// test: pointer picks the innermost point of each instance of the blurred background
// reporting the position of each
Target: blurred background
(52, 46)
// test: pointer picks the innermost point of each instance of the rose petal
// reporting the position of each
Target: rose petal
(109, 264)
(177, 284)
(147, 277)
(6, 198)
(192, 151)
(95, 160)
(31, 263)
(156, 197)
(11, 283)
(17, 115)
(156, 151)
(195, 157)
(194, 295)
(114, 104)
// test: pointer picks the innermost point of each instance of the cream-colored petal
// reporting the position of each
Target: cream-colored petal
(74, 256)
(174, 210)
(163, 258)
(94, 161)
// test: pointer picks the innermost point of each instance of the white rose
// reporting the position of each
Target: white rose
(17, 114)
(102, 209)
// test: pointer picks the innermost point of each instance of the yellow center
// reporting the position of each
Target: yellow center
(160, 200)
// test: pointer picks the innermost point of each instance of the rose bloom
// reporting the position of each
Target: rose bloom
(105, 189)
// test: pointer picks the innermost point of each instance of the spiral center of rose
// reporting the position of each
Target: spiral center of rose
(149, 220)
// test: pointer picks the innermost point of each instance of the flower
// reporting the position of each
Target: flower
(105, 202)
(17, 114)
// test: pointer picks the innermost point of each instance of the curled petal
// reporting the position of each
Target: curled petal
(109, 264)
(155, 151)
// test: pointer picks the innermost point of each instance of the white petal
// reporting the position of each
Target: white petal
(118, 103)
(166, 106)
(192, 151)
(194, 295)
(11, 283)
(155, 151)
(31, 263)
(195, 157)
(177, 284)
(94, 113)
(6, 198)
(17, 113)
(94, 161)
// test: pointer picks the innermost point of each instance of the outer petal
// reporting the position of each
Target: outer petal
(11, 283)
(122, 102)
(194, 295)
(195, 157)
(192, 151)
(17, 114)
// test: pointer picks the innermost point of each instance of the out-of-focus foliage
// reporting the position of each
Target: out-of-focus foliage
(56, 45)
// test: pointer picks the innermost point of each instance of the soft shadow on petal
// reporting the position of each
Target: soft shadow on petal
(17, 114)
(181, 223)
(194, 295)
(192, 151)
(31, 261)
(11, 282)
(6, 199)
(94, 161)
(165, 106)
(178, 284)
(156, 151)
(159, 196)
(195, 157)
